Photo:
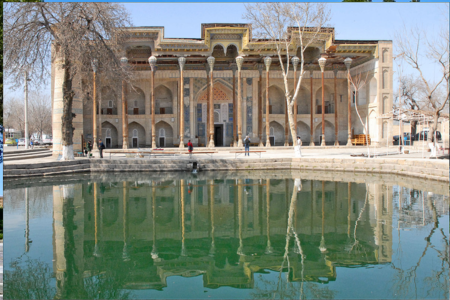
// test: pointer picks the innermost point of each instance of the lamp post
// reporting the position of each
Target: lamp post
(181, 62)
(211, 61)
(239, 62)
(348, 62)
(94, 64)
(152, 62)
(267, 62)
(124, 63)
(322, 62)
(295, 61)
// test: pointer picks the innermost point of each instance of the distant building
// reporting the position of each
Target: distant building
(187, 95)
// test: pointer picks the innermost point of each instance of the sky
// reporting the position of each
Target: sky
(361, 21)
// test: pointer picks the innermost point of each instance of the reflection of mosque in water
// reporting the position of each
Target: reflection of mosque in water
(152, 230)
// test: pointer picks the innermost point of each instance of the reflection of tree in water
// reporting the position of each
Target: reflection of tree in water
(29, 280)
(33, 279)
(283, 288)
(437, 284)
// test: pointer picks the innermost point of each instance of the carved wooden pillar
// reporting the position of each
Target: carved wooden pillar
(235, 143)
(260, 106)
(311, 143)
(124, 62)
(239, 62)
(336, 125)
(295, 61)
(348, 62)
(211, 61)
(208, 95)
(181, 62)
(322, 62)
(94, 104)
(152, 61)
(267, 61)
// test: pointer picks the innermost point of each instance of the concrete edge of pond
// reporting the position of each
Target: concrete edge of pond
(421, 168)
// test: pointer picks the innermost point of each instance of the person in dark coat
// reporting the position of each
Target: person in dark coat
(88, 148)
(247, 145)
(101, 146)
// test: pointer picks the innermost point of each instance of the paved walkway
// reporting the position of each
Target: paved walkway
(273, 152)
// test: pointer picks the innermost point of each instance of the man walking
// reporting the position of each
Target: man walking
(247, 145)
(101, 146)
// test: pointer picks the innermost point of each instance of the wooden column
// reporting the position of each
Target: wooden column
(211, 61)
(100, 136)
(94, 106)
(152, 61)
(348, 62)
(260, 106)
(295, 61)
(336, 125)
(181, 62)
(235, 143)
(207, 106)
(239, 62)
(322, 62)
(124, 62)
(267, 61)
(311, 143)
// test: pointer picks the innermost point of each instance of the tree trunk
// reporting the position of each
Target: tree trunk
(413, 128)
(67, 117)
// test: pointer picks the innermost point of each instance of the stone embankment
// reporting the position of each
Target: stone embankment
(425, 168)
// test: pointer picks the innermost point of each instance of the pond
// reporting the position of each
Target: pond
(220, 235)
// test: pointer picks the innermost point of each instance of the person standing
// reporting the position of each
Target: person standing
(299, 146)
(31, 144)
(247, 145)
(190, 148)
(88, 149)
(101, 146)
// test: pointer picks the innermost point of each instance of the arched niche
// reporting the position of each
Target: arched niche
(110, 135)
(304, 132)
(163, 100)
(108, 101)
(276, 100)
(136, 101)
(218, 51)
(276, 135)
(329, 101)
(329, 133)
(232, 51)
(164, 134)
(136, 135)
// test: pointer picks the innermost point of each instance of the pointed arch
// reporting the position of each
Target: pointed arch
(164, 134)
(110, 134)
(163, 100)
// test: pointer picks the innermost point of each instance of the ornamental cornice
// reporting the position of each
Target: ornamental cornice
(356, 48)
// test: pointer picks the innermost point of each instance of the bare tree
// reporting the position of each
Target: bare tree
(411, 92)
(78, 33)
(358, 82)
(39, 111)
(286, 25)
(414, 44)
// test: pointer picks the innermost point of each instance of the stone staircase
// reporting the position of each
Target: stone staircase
(26, 154)
(46, 168)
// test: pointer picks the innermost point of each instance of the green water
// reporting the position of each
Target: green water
(226, 235)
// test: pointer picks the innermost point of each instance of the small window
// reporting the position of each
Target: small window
(135, 103)
(340, 97)
(162, 132)
(135, 133)
(110, 103)
(108, 133)
(271, 131)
